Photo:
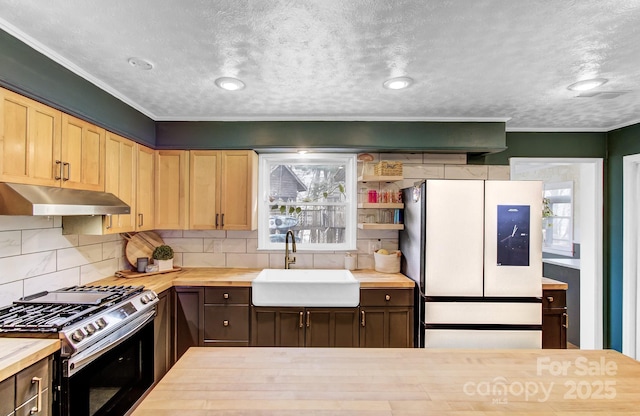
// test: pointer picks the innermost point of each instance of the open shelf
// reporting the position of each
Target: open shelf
(393, 205)
(374, 226)
(373, 178)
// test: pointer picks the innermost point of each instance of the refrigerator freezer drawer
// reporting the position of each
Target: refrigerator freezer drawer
(483, 313)
(482, 339)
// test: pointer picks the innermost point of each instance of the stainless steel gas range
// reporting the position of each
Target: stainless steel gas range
(106, 359)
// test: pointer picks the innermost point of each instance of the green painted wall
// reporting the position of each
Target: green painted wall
(621, 142)
(335, 135)
(28, 72)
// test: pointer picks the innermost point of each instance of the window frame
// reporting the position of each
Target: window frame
(557, 248)
(349, 160)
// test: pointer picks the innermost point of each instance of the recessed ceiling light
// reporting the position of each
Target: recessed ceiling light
(398, 83)
(587, 84)
(229, 84)
(140, 63)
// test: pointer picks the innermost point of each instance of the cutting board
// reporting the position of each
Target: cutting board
(141, 244)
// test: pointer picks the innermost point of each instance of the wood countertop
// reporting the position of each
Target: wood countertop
(395, 382)
(551, 284)
(16, 354)
(244, 277)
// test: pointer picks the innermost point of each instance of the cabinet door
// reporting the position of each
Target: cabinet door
(162, 340)
(390, 327)
(188, 304)
(238, 190)
(29, 141)
(204, 190)
(120, 179)
(7, 396)
(277, 327)
(331, 327)
(83, 154)
(172, 192)
(372, 327)
(554, 332)
(27, 390)
(145, 189)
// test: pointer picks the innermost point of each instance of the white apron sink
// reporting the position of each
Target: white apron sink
(305, 288)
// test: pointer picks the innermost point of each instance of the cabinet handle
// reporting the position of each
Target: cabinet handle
(225, 323)
(140, 220)
(566, 320)
(550, 299)
(68, 165)
(59, 175)
(387, 297)
(110, 226)
(225, 296)
(217, 220)
(301, 319)
(362, 321)
(308, 319)
(222, 223)
(38, 406)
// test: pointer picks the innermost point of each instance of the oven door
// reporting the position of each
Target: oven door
(111, 381)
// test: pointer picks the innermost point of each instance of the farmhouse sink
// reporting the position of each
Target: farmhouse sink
(305, 288)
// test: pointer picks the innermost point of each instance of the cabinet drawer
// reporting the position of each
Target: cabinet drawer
(25, 389)
(7, 391)
(25, 410)
(554, 299)
(386, 297)
(226, 323)
(227, 295)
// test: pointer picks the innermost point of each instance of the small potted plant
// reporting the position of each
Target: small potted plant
(163, 257)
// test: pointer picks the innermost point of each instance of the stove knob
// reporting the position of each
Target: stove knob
(77, 335)
(101, 323)
(145, 299)
(90, 328)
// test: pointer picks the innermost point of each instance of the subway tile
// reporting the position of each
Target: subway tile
(415, 172)
(242, 234)
(465, 172)
(203, 260)
(375, 234)
(328, 261)
(444, 158)
(34, 241)
(169, 233)
(28, 265)
(234, 245)
(365, 262)
(499, 172)
(52, 281)
(16, 222)
(113, 249)
(204, 234)
(10, 243)
(402, 157)
(96, 271)
(303, 261)
(85, 240)
(10, 292)
(79, 256)
(185, 245)
(251, 261)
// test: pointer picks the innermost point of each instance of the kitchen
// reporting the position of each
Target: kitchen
(37, 256)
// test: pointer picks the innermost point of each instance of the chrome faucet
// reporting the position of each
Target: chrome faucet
(288, 260)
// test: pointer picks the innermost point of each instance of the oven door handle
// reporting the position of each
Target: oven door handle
(76, 363)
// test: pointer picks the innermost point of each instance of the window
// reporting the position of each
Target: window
(312, 195)
(557, 225)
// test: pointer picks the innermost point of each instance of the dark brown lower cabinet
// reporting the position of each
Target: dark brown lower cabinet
(386, 318)
(211, 317)
(555, 319)
(162, 335)
(304, 327)
(19, 393)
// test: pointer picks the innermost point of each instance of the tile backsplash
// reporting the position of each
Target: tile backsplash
(35, 256)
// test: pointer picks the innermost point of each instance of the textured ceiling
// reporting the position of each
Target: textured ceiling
(507, 60)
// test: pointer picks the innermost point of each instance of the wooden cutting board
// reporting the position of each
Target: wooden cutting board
(141, 244)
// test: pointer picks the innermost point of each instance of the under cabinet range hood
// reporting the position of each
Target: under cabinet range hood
(20, 199)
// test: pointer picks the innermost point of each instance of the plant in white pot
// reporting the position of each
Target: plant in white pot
(163, 257)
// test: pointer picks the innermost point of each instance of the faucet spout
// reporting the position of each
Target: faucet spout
(287, 259)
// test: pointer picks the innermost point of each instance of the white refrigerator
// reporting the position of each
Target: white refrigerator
(474, 249)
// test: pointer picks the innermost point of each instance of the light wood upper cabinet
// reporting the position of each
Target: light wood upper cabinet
(83, 154)
(145, 206)
(121, 171)
(172, 189)
(30, 135)
(223, 189)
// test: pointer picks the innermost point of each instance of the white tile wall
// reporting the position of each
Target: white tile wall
(35, 256)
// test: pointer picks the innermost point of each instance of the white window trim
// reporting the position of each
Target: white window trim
(351, 207)
(555, 248)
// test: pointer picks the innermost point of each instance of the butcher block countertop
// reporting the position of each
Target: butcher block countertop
(241, 277)
(244, 277)
(395, 382)
(16, 354)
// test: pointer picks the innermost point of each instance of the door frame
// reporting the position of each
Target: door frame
(630, 235)
(591, 244)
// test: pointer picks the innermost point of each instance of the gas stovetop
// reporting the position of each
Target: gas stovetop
(80, 315)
